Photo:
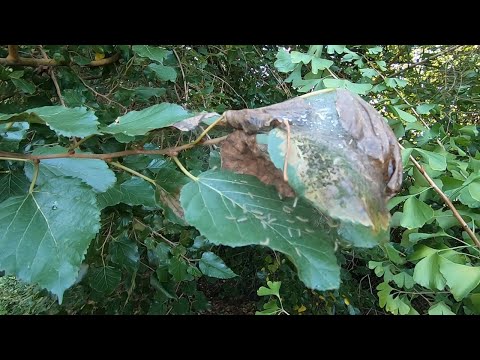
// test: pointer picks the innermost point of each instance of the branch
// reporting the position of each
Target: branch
(185, 86)
(52, 75)
(14, 59)
(452, 48)
(445, 199)
(105, 61)
(12, 53)
(169, 151)
(98, 94)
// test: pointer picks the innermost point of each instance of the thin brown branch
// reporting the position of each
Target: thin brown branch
(98, 94)
(445, 199)
(169, 151)
(226, 83)
(14, 59)
(54, 78)
(185, 86)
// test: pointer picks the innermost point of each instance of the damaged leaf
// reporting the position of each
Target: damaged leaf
(343, 157)
(238, 210)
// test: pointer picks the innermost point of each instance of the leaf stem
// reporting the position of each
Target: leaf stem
(185, 171)
(81, 141)
(205, 132)
(36, 169)
(131, 171)
(14, 159)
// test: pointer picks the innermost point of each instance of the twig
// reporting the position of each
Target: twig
(445, 199)
(285, 162)
(98, 94)
(185, 86)
(169, 151)
(226, 83)
(14, 59)
(423, 61)
(52, 75)
(131, 171)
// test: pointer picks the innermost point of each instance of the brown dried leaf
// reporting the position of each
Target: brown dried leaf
(192, 122)
(241, 154)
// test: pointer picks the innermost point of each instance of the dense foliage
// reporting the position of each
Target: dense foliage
(114, 234)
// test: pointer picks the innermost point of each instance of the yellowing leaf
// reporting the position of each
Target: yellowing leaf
(301, 309)
(99, 56)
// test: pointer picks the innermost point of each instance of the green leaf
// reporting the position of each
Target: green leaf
(134, 191)
(384, 293)
(469, 130)
(78, 122)
(415, 213)
(358, 88)
(178, 268)
(211, 265)
(164, 73)
(16, 74)
(13, 183)
(124, 252)
(145, 93)
(239, 210)
(381, 64)
(416, 236)
(394, 255)
(46, 234)
(427, 272)
(435, 160)
(24, 85)
(320, 64)
(273, 289)
(154, 117)
(93, 172)
(474, 190)
(298, 57)
(104, 279)
(284, 62)
(154, 53)
(339, 49)
(11, 137)
(345, 84)
(334, 83)
(404, 280)
(424, 109)
(397, 305)
(181, 306)
(73, 97)
(80, 60)
(375, 50)
(461, 279)
(270, 308)
(404, 115)
(369, 72)
(440, 308)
